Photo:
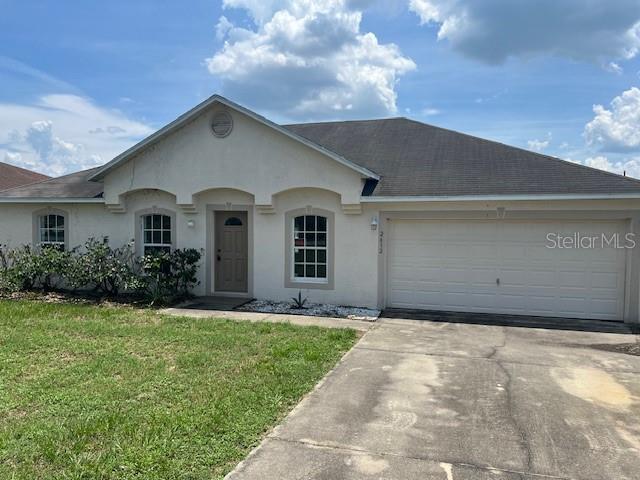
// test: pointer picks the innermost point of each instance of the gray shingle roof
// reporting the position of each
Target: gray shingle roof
(416, 159)
(12, 176)
(74, 185)
(412, 159)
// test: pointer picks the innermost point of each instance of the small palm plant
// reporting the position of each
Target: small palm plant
(298, 302)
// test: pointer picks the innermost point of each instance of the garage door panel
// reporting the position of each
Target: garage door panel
(482, 276)
(573, 279)
(606, 281)
(459, 301)
(602, 306)
(454, 266)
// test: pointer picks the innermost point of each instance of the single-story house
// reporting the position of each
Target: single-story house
(376, 213)
(12, 176)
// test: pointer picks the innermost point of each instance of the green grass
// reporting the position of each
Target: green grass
(92, 392)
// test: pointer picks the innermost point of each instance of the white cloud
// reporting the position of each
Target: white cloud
(539, 145)
(308, 59)
(222, 27)
(14, 158)
(630, 167)
(613, 67)
(619, 127)
(59, 134)
(430, 112)
(493, 30)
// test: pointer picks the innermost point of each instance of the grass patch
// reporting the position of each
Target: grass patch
(90, 392)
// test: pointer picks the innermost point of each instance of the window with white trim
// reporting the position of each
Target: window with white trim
(310, 249)
(156, 233)
(51, 231)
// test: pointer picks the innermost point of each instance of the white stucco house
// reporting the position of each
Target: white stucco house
(375, 213)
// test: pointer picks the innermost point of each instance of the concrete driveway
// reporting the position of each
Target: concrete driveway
(451, 401)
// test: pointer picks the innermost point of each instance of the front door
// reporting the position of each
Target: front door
(230, 252)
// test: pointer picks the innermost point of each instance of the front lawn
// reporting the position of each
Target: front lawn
(92, 392)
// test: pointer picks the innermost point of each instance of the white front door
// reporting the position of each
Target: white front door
(504, 267)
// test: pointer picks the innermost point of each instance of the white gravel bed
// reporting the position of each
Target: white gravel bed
(312, 309)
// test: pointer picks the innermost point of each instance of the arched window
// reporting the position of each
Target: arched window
(51, 231)
(310, 248)
(233, 222)
(157, 233)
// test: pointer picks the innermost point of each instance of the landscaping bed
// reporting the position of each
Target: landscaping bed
(312, 309)
(126, 393)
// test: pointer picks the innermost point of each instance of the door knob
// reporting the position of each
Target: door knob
(219, 258)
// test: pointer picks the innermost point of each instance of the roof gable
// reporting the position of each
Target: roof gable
(196, 111)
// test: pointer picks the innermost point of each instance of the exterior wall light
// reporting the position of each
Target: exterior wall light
(374, 223)
(191, 223)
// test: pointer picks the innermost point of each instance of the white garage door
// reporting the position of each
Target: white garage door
(504, 267)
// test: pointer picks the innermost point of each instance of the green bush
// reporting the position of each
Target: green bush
(51, 265)
(105, 270)
(27, 269)
(169, 276)
(7, 279)
(161, 277)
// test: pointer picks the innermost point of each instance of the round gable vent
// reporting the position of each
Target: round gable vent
(222, 124)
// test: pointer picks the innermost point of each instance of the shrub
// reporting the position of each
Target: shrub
(170, 276)
(26, 269)
(7, 281)
(156, 269)
(184, 268)
(162, 277)
(51, 265)
(24, 272)
(104, 269)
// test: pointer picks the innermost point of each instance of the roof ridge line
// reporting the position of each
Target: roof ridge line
(344, 121)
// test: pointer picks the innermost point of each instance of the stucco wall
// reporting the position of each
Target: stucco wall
(253, 158)
(355, 244)
(85, 220)
(359, 268)
(355, 249)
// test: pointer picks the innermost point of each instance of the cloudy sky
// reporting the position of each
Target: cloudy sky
(82, 81)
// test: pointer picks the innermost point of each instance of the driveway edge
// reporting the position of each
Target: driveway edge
(240, 466)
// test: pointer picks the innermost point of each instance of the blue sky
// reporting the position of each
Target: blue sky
(81, 81)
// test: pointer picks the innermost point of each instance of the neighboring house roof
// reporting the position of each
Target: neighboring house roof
(415, 159)
(72, 186)
(12, 176)
(197, 110)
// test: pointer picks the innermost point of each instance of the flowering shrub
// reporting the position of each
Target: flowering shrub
(25, 269)
(161, 277)
(51, 264)
(104, 269)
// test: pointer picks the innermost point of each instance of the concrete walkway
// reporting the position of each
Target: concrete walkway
(452, 401)
(303, 320)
